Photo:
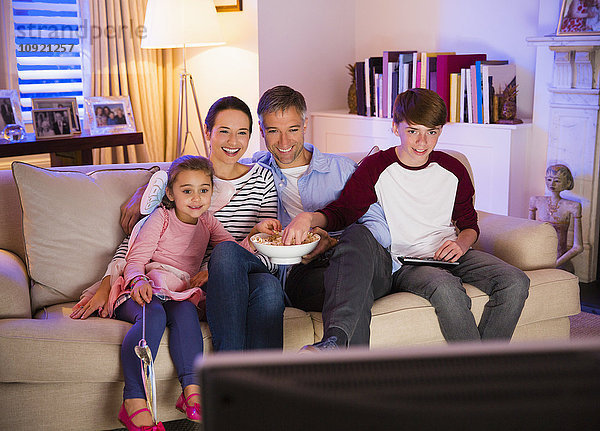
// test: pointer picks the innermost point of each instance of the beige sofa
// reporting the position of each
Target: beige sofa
(59, 373)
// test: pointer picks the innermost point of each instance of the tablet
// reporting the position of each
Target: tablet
(408, 260)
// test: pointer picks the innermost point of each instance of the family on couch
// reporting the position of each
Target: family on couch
(402, 201)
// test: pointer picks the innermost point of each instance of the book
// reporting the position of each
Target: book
(359, 74)
(473, 80)
(452, 63)
(367, 89)
(397, 59)
(487, 90)
(500, 76)
(375, 65)
(463, 96)
(454, 97)
(415, 71)
(429, 68)
(469, 104)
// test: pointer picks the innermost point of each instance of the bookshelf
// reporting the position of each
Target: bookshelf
(498, 153)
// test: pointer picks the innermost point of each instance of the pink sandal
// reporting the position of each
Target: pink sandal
(194, 412)
(125, 419)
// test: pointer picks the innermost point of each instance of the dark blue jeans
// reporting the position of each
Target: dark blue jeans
(185, 339)
(244, 302)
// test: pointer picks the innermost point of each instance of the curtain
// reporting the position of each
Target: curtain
(119, 67)
(8, 65)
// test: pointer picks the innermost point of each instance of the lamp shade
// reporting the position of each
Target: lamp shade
(178, 23)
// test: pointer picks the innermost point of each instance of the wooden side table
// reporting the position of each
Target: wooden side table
(77, 147)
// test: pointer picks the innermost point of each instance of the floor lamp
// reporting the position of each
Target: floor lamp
(181, 24)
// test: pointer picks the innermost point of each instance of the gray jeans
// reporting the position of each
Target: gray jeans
(506, 286)
(343, 283)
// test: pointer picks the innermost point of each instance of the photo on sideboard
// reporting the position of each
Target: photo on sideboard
(52, 123)
(60, 102)
(579, 17)
(106, 115)
(10, 108)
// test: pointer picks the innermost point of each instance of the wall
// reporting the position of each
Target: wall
(307, 46)
(498, 28)
(226, 70)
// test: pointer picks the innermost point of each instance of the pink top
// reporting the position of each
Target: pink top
(169, 252)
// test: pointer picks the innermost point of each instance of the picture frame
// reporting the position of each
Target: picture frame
(61, 102)
(51, 123)
(228, 5)
(578, 17)
(10, 108)
(106, 115)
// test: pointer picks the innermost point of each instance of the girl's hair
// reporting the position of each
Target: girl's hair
(420, 106)
(563, 171)
(280, 98)
(186, 163)
(223, 104)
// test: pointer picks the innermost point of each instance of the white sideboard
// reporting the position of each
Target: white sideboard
(498, 153)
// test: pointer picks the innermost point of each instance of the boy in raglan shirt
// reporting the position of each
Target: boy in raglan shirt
(427, 198)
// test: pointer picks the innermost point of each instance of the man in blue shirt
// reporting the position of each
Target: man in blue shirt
(330, 278)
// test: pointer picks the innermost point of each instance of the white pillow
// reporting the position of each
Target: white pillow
(71, 226)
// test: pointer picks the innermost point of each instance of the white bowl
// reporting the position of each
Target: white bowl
(284, 254)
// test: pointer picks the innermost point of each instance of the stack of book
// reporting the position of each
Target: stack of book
(468, 83)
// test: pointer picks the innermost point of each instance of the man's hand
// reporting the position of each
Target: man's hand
(130, 210)
(325, 243)
(199, 279)
(450, 251)
(141, 292)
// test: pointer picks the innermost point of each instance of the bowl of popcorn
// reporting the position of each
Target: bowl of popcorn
(272, 247)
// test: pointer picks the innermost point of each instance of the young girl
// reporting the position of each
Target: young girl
(162, 273)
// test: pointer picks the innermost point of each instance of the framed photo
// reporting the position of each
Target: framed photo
(228, 5)
(10, 108)
(61, 102)
(52, 123)
(579, 17)
(106, 115)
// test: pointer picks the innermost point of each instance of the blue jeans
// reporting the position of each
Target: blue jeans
(506, 286)
(185, 339)
(244, 302)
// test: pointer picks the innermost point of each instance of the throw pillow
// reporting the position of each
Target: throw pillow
(71, 226)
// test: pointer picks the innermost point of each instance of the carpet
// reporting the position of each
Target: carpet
(585, 325)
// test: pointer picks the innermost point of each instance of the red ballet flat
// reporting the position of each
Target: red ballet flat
(193, 413)
(125, 419)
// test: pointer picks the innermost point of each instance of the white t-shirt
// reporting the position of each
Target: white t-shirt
(290, 195)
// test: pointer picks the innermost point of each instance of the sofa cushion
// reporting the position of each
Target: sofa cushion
(71, 226)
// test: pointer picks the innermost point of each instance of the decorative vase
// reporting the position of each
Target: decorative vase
(352, 90)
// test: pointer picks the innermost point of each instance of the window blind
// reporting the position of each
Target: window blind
(48, 51)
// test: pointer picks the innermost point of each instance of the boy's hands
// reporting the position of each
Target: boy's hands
(298, 229)
(451, 251)
(141, 292)
(199, 279)
(130, 210)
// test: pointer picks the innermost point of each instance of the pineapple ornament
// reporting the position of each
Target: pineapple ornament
(352, 90)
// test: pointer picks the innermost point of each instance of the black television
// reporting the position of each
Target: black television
(481, 386)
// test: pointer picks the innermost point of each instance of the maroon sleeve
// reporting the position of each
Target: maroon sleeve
(358, 193)
(464, 214)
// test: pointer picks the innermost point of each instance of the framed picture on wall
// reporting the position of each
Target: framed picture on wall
(61, 102)
(51, 123)
(579, 17)
(106, 115)
(10, 108)
(228, 5)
